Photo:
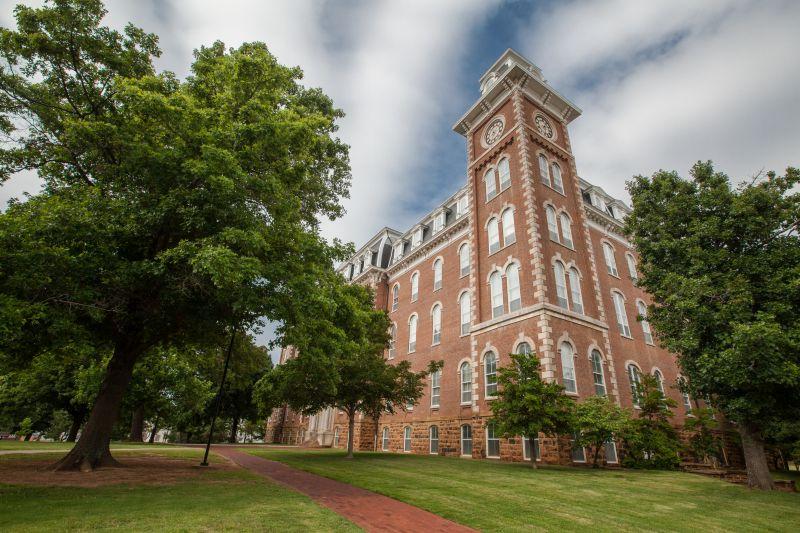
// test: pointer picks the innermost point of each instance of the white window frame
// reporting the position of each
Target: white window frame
(392, 340)
(560, 276)
(490, 374)
(611, 260)
(577, 458)
(509, 231)
(552, 223)
(436, 388)
(659, 376)
(504, 171)
(496, 294)
(414, 286)
(635, 380)
(465, 306)
(385, 439)
(568, 378)
(606, 448)
(438, 221)
(492, 437)
(465, 439)
(544, 170)
(632, 272)
(523, 343)
(566, 231)
(641, 308)
(463, 260)
(436, 323)
(513, 288)
(412, 333)
(526, 456)
(493, 233)
(416, 237)
(558, 183)
(438, 267)
(490, 178)
(462, 206)
(596, 360)
(395, 296)
(431, 439)
(407, 439)
(622, 315)
(465, 379)
(575, 289)
(336, 437)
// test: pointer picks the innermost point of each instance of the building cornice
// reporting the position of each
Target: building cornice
(441, 237)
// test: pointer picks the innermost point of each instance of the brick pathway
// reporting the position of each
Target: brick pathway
(369, 510)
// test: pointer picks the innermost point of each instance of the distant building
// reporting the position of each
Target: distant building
(526, 256)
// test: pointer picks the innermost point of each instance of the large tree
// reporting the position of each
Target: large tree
(723, 266)
(171, 209)
(527, 405)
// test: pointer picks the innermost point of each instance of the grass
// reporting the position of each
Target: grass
(215, 501)
(36, 445)
(503, 496)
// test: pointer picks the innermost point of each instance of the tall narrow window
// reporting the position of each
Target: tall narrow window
(687, 402)
(509, 236)
(648, 334)
(526, 449)
(437, 274)
(659, 381)
(491, 185)
(436, 388)
(392, 340)
(463, 259)
(433, 437)
(505, 173)
(465, 302)
(412, 333)
(561, 284)
(407, 439)
(575, 290)
(544, 170)
(557, 183)
(490, 372)
(566, 231)
(635, 379)
(632, 267)
(597, 373)
(524, 348)
(622, 316)
(568, 367)
(336, 437)
(466, 440)
(494, 235)
(578, 452)
(395, 297)
(466, 382)
(496, 291)
(611, 451)
(436, 318)
(414, 286)
(552, 225)
(512, 282)
(492, 441)
(611, 261)
(385, 439)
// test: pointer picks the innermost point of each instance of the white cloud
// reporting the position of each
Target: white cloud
(664, 84)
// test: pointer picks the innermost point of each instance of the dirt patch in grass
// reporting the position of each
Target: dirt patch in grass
(136, 470)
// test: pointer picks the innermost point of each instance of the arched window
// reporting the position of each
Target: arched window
(509, 236)
(632, 267)
(597, 373)
(494, 235)
(385, 439)
(465, 303)
(544, 170)
(412, 333)
(466, 382)
(490, 373)
(524, 348)
(392, 339)
(512, 283)
(635, 379)
(611, 261)
(687, 402)
(491, 185)
(575, 290)
(557, 183)
(568, 367)
(466, 440)
(622, 316)
(659, 380)
(433, 438)
(566, 230)
(648, 334)
(463, 259)
(561, 284)
(496, 292)
(407, 439)
(414, 286)
(437, 274)
(505, 173)
(492, 441)
(436, 388)
(436, 319)
(552, 225)
(395, 296)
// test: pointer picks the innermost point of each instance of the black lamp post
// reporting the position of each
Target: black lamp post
(219, 398)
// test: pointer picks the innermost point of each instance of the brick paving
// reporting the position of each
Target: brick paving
(369, 510)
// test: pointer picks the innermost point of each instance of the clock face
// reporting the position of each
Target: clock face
(493, 131)
(543, 126)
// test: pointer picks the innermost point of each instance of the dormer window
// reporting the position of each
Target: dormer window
(416, 238)
(610, 211)
(462, 206)
(398, 250)
(438, 221)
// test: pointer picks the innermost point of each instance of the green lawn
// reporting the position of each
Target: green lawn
(20, 445)
(503, 496)
(230, 500)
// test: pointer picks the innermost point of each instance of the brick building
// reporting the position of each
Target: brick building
(525, 256)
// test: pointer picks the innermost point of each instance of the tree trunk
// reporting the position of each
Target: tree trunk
(74, 428)
(755, 459)
(153, 432)
(533, 453)
(351, 424)
(28, 437)
(137, 425)
(234, 430)
(597, 456)
(91, 451)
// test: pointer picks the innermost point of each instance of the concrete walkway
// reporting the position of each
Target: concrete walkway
(368, 510)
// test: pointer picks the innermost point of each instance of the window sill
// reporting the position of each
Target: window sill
(414, 299)
(500, 249)
(568, 393)
(466, 404)
(436, 343)
(553, 188)
(464, 335)
(630, 338)
(463, 275)
(613, 275)
(489, 398)
(434, 407)
(562, 244)
(437, 289)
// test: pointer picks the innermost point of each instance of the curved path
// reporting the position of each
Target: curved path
(369, 510)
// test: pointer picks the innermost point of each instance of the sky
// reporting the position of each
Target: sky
(661, 83)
